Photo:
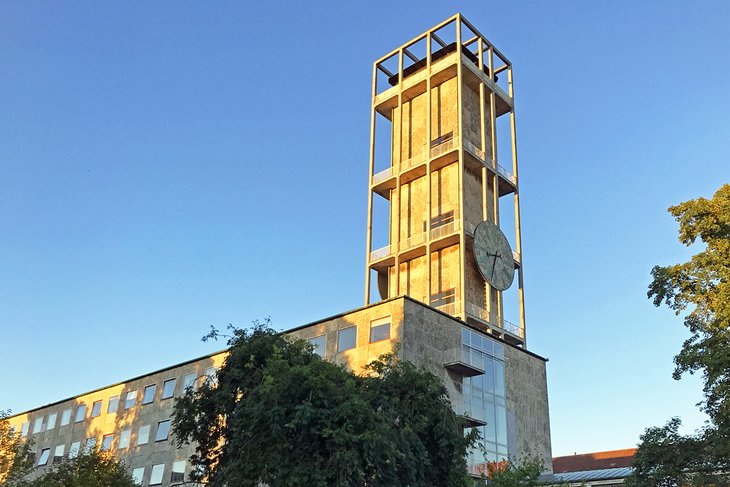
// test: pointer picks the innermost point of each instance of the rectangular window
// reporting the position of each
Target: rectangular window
(90, 444)
(211, 375)
(319, 345)
(66, 417)
(143, 435)
(24, 429)
(379, 331)
(45, 453)
(106, 442)
(149, 394)
(95, 409)
(163, 430)
(58, 453)
(346, 338)
(168, 388)
(124, 437)
(51, 421)
(38, 425)
(158, 471)
(178, 471)
(138, 475)
(81, 413)
(189, 381)
(113, 404)
(73, 452)
(131, 399)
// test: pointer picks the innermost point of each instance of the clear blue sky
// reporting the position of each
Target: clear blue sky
(166, 166)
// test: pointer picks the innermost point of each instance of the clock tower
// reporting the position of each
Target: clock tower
(443, 207)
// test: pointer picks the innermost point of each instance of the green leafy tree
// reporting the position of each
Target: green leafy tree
(523, 473)
(88, 469)
(279, 415)
(699, 288)
(15, 458)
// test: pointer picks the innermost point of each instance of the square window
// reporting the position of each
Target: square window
(51, 421)
(106, 442)
(95, 409)
(113, 405)
(149, 394)
(124, 437)
(66, 417)
(81, 413)
(143, 435)
(346, 338)
(189, 381)
(319, 345)
(45, 453)
(138, 475)
(38, 425)
(24, 429)
(158, 471)
(58, 453)
(178, 471)
(163, 430)
(131, 399)
(379, 331)
(168, 388)
(73, 452)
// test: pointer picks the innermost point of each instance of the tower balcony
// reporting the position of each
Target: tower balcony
(508, 331)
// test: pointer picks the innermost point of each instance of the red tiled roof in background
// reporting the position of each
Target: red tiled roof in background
(594, 461)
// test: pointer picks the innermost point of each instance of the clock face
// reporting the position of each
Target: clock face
(494, 256)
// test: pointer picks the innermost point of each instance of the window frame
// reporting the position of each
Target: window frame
(113, 400)
(161, 470)
(82, 407)
(164, 395)
(57, 458)
(167, 424)
(66, 417)
(316, 349)
(96, 407)
(44, 456)
(339, 335)
(130, 396)
(146, 435)
(51, 423)
(145, 396)
(381, 322)
(38, 425)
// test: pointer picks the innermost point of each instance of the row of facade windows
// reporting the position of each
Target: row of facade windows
(125, 437)
(347, 337)
(41, 423)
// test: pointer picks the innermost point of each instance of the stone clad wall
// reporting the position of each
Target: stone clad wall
(527, 403)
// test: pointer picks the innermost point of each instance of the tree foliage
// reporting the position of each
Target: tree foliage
(88, 469)
(523, 473)
(15, 459)
(280, 415)
(699, 288)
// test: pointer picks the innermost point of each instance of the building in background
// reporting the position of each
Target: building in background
(605, 468)
(449, 272)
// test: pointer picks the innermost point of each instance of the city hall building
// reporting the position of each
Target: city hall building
(443, 274)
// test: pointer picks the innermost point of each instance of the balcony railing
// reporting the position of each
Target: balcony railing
(506, 174)
(474, 149)
(475, 414)
(445, 229)
(449, 308)
(381, 253)
(414, 160)
(465, 361)
(413, 241)
(443, 144)
(513, 329)
(477, 311)
(382, 175)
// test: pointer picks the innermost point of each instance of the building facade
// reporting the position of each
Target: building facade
(442, 277)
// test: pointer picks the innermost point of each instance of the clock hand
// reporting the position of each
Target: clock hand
(494, 262)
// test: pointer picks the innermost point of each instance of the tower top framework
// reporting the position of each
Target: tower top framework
(443, 160)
